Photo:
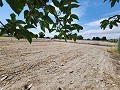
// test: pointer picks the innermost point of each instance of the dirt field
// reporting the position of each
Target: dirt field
(57, 66)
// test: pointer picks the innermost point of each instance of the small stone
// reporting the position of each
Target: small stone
(71, 82)
(5, 77)
(71, 71)
(28, 87)
(62, 65)
(59, 88)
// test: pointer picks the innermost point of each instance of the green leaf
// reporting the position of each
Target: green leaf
(118, 16)
(78, 27)
(29, 26)
(42, 26)
(115, 23)
(70, 20)
(8, 20)
(26, 13)
(3, 31)
(16, 5)
(113, 2)
(47, 26)
(52, 9)
(74, 16)
(18, 34)
(13, 16)
(28, 20)
(104, 24)
(26, 34)
(66, 10)
(41, 14)
(48, 19)
(64, 2)
(28, 38)
(66, 27)
(56, 3)
(74, 1)
(74, 5)
(20, 22)
(110, 26)
(1, 3)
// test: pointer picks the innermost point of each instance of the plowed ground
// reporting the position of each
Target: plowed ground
(57, 66)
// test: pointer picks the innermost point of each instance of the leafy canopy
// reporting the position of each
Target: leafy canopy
(37, 13)
(111, 21)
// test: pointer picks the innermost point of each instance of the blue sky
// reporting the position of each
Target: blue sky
(90, 13)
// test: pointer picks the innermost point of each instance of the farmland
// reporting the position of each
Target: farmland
(54, 65)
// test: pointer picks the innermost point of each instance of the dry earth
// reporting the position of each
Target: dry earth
(57, 66)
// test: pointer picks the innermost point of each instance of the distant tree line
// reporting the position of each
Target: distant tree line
(79, 37)
(113, 40)
(98, 38)
(41, 35)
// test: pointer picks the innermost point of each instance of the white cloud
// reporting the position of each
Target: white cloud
(113, 13)
(109, 33)
(80, 11)
(95, 23)
(92, 29)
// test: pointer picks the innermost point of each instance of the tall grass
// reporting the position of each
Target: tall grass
(114, 52)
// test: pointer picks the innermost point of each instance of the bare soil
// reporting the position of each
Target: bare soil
(57, 66)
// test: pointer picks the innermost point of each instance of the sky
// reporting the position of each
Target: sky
(90, 13)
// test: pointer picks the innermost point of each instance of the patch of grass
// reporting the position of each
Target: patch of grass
(114, 52)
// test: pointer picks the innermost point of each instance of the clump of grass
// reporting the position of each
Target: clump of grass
(114, 52)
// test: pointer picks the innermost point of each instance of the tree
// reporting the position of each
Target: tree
(88, 39)
(36, 36)
(97, 38)
(80, 37)
(70, 36)
(103, 38)
(93, 38)
(37, 14)
(74, 36)
(41, 35)
(56, 36)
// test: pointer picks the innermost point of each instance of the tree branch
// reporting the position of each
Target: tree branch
(2, 24)
(54, 14)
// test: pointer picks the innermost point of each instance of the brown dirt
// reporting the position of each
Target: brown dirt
(57, 66)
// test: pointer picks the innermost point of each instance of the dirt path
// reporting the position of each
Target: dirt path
(57, 66)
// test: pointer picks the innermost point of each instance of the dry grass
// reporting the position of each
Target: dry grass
(114, 52)
(7, 38)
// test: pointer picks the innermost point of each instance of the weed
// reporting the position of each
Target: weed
(114, 52)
